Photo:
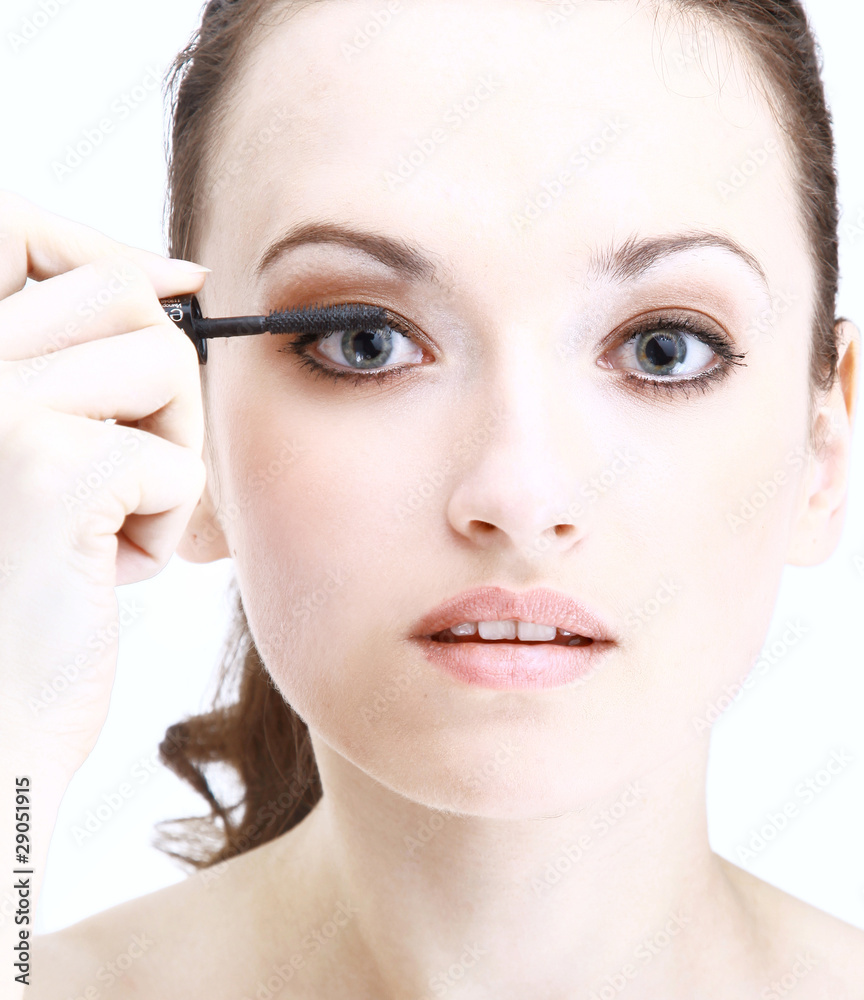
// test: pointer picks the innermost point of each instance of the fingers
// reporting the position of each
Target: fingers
(104, 297)
(131, 499)
(38, 244)
(87, 341)
(149, 377)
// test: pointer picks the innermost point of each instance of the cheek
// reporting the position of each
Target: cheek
(702, 527)
(323, 547)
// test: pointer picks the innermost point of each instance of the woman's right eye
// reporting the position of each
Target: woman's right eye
(370, 349)
(360, 353)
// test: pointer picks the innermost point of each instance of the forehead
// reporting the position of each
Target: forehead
(457, 118)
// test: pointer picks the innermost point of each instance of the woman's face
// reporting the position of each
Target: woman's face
(552, 165)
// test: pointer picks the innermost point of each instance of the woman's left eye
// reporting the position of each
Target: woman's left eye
(664, 353)
(673, 352)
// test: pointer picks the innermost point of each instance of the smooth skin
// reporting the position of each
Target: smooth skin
(514, 404)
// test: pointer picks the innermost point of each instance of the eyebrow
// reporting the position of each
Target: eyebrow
(400, 256)
(626, 262)
(633, 258)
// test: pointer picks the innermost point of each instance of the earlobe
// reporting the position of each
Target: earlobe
(203, 540)
(822, 510)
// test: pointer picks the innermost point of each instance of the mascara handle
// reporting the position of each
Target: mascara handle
(186, 312)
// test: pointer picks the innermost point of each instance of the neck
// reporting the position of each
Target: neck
(620, 890)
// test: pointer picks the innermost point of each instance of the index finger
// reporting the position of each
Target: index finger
(36, 243)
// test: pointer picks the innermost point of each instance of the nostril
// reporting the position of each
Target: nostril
(564, 530)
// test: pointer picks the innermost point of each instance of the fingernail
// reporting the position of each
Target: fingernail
(188, 265)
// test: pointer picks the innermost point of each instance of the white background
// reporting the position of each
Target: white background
(809, 704)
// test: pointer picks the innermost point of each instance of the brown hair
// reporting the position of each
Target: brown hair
(250, 728)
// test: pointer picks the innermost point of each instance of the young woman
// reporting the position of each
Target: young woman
(485, 550)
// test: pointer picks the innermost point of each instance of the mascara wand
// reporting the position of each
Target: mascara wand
(186, 313)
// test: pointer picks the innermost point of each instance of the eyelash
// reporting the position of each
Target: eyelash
(299, 342)
(719, 343)
(714, 339)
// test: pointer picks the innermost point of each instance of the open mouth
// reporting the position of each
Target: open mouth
(497, 634)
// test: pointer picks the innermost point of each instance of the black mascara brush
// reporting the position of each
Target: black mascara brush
(186, 313)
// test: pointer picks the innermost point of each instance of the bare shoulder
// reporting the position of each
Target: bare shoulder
(194, 938)
(818, 955)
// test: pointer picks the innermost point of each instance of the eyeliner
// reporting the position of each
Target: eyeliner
(185, 311)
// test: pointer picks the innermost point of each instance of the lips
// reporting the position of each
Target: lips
(541, 605)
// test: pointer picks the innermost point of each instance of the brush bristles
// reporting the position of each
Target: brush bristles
(326, 318)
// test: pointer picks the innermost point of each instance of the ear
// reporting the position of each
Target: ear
(819, 524)
(203, 540)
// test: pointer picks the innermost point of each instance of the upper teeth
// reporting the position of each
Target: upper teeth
(509, 629)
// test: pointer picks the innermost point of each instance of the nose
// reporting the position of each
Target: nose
(519, 487)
